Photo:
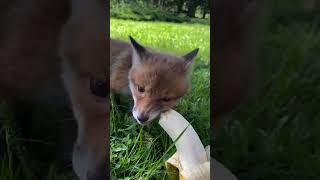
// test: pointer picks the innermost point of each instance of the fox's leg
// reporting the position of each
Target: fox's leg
(91, 112)
(115, 99)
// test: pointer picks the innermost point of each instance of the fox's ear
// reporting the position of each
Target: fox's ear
(138, 51)
(189, 58)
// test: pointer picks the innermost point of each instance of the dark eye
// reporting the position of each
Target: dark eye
(98, 87)
(166, 99)
(141, 89)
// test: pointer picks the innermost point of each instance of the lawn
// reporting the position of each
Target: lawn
(139, 153)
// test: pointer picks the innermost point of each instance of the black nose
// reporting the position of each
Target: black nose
(143, 118)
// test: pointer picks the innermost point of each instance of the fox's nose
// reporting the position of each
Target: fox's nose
(143, 118)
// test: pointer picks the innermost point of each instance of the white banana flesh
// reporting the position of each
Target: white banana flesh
(191, 158)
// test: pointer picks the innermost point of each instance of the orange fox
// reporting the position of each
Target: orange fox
(156, 80)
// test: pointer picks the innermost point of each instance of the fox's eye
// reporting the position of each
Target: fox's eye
(98, 87)
(141, 89)
(166, 99)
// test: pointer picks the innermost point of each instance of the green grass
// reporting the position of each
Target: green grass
(28, 158)
(139, 153)
(171, 37)
(277, 135)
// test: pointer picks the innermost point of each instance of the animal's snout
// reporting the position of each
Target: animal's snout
(143, 118)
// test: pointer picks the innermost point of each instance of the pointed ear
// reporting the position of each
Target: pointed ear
(189, 58)
(138, 51)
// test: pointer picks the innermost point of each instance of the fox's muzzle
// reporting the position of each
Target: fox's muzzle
(144, 117)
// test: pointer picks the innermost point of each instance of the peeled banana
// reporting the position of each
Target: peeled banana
(192, 160)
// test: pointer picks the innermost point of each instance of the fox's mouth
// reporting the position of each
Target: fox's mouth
(165, 110)
(151, 117)
(144, 123)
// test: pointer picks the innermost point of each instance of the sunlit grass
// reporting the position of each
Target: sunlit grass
(171, 37)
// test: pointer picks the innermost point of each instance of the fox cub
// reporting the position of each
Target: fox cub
(156, 80)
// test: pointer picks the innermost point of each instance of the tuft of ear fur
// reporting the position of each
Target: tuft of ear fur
(138, 51)
(189, 58)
